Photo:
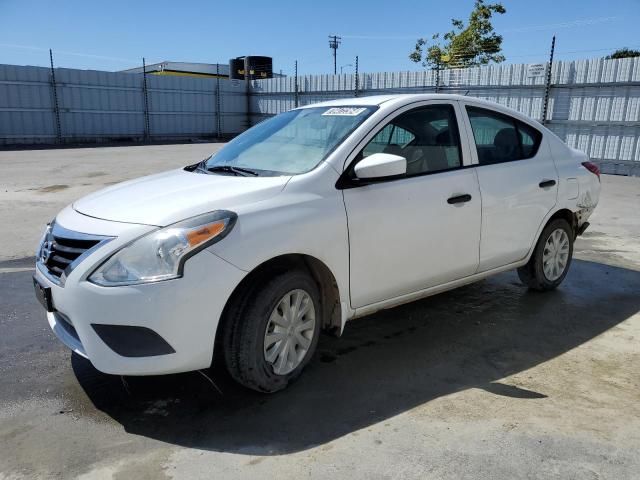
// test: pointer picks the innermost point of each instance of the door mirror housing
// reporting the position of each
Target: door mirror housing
(380, 165)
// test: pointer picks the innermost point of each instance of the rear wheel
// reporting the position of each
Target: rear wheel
(551, 258)
(274, 332)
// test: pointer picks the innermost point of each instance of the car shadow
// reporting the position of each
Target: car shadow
(383, 365)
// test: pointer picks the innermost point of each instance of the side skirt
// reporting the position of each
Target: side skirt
(427, 292)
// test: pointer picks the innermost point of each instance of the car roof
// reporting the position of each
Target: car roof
(375, 100)
(401, 99)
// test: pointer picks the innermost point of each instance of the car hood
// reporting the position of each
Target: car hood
(169, 197)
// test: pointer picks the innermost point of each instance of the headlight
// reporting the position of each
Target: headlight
(160, 255)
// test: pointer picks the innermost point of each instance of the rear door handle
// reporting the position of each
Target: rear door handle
(547, 183)
(459, 199)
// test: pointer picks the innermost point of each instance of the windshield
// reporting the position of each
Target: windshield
(290, 143)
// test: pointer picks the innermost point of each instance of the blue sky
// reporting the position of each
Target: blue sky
(114, 34)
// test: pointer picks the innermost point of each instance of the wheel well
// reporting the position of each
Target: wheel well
(569, 216)
(327, 285)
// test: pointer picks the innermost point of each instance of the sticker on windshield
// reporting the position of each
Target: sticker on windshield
(345, 111)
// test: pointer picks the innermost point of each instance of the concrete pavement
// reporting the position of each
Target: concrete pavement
(487, 381)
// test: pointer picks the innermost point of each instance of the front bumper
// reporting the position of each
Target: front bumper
(184, 312)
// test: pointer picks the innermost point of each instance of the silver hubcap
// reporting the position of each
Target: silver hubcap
(555, 255)
(289, 332)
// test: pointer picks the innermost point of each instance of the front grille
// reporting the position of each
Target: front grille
(61, 250)
(65, 251)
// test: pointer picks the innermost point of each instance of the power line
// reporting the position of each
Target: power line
(64, 52)
(555, 26)
(584, 22)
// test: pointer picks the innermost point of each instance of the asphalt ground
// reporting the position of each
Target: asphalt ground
(486, 381)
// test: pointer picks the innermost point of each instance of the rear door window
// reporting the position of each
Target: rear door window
(500, 138)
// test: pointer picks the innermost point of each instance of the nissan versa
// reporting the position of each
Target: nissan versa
(312, 218)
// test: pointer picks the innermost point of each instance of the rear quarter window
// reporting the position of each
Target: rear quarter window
(530, 139)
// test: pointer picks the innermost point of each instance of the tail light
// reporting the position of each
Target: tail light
(592, 167)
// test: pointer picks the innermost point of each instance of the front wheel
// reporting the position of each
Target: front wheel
(551, 258)
(274, 334)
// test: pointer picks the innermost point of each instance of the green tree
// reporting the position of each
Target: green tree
(624, 53)
(470, 45)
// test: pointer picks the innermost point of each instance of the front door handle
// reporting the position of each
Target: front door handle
(547, 183)
(459, 199)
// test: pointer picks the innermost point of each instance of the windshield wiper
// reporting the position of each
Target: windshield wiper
(239, 171)
(195, 166)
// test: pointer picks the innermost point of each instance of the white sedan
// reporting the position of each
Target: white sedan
(312, 218)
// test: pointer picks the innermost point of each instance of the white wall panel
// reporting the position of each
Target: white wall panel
(594, 104)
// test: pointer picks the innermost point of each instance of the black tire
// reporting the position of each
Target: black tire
(245, 326)
(532, 274)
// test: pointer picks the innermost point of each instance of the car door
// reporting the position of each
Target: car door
(422, 229)
(518, 184)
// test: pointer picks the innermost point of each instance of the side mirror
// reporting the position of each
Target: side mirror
(381, 165)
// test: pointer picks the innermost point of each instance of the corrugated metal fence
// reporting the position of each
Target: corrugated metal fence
(594, 105)
(103, 106)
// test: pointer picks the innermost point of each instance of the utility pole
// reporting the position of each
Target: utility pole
(247, 81)
(357, 86)
(547, 89)
(145, 93)
(218, 104)
(295, 83)
(56, 107)
(334, 42)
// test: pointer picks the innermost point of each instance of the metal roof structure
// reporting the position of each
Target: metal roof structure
(188, 69)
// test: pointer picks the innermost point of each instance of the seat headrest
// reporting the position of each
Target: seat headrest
(443, 138)
(507, 137)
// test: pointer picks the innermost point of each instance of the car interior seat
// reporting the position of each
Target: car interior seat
(506, 145)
